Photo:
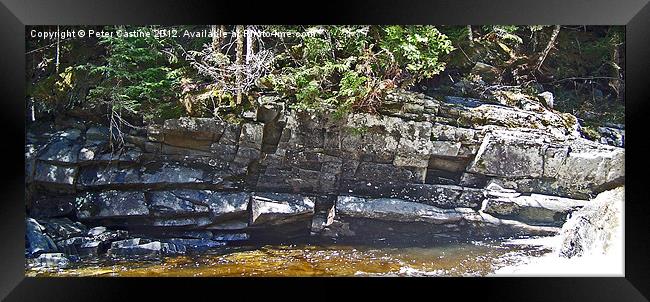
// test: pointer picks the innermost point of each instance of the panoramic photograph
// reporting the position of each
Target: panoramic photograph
(324, 150)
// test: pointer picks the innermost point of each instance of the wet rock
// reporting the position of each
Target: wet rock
(195, 221)
(111, 204)
(278, 208)
(195, 245)
(52, 260)
(486, 226)
(126, 243)
(36, 242)
(394, 210)
(109, 236)
(597, 228)
(90, 249)
(135, 249)
(231, 237)
(72, 246)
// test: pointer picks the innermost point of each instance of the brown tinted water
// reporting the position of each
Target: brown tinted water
(452, 259)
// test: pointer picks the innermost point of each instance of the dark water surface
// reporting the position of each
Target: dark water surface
(477, 258)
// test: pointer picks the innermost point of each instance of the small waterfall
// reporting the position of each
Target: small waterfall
(591, 242)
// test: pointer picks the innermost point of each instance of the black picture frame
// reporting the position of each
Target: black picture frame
(16, 14)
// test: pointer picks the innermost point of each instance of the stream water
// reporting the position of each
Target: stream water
(475, 258)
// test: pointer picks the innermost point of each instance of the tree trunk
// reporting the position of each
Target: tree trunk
(58, 49)
(549, 46)
(249, 45)
(239, 62)
(470, 36)
(215, 37)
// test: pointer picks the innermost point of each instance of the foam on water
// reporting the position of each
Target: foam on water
(603, 247)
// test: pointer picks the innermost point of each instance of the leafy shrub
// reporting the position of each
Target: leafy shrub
(353, 67)
(139, 77)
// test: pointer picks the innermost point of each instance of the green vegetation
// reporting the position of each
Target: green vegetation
(143, 79)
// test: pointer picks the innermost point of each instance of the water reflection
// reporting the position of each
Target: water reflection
(477, 258)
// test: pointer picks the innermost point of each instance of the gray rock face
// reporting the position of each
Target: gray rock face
(98, 134)
(52, 207)
(278, 208)
(422, 158)
(171, 203)
(56, 176)
(229, 206)
(572, 168)
(111, 204)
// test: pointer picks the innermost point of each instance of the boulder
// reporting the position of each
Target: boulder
(278, 208)
(535, 209)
